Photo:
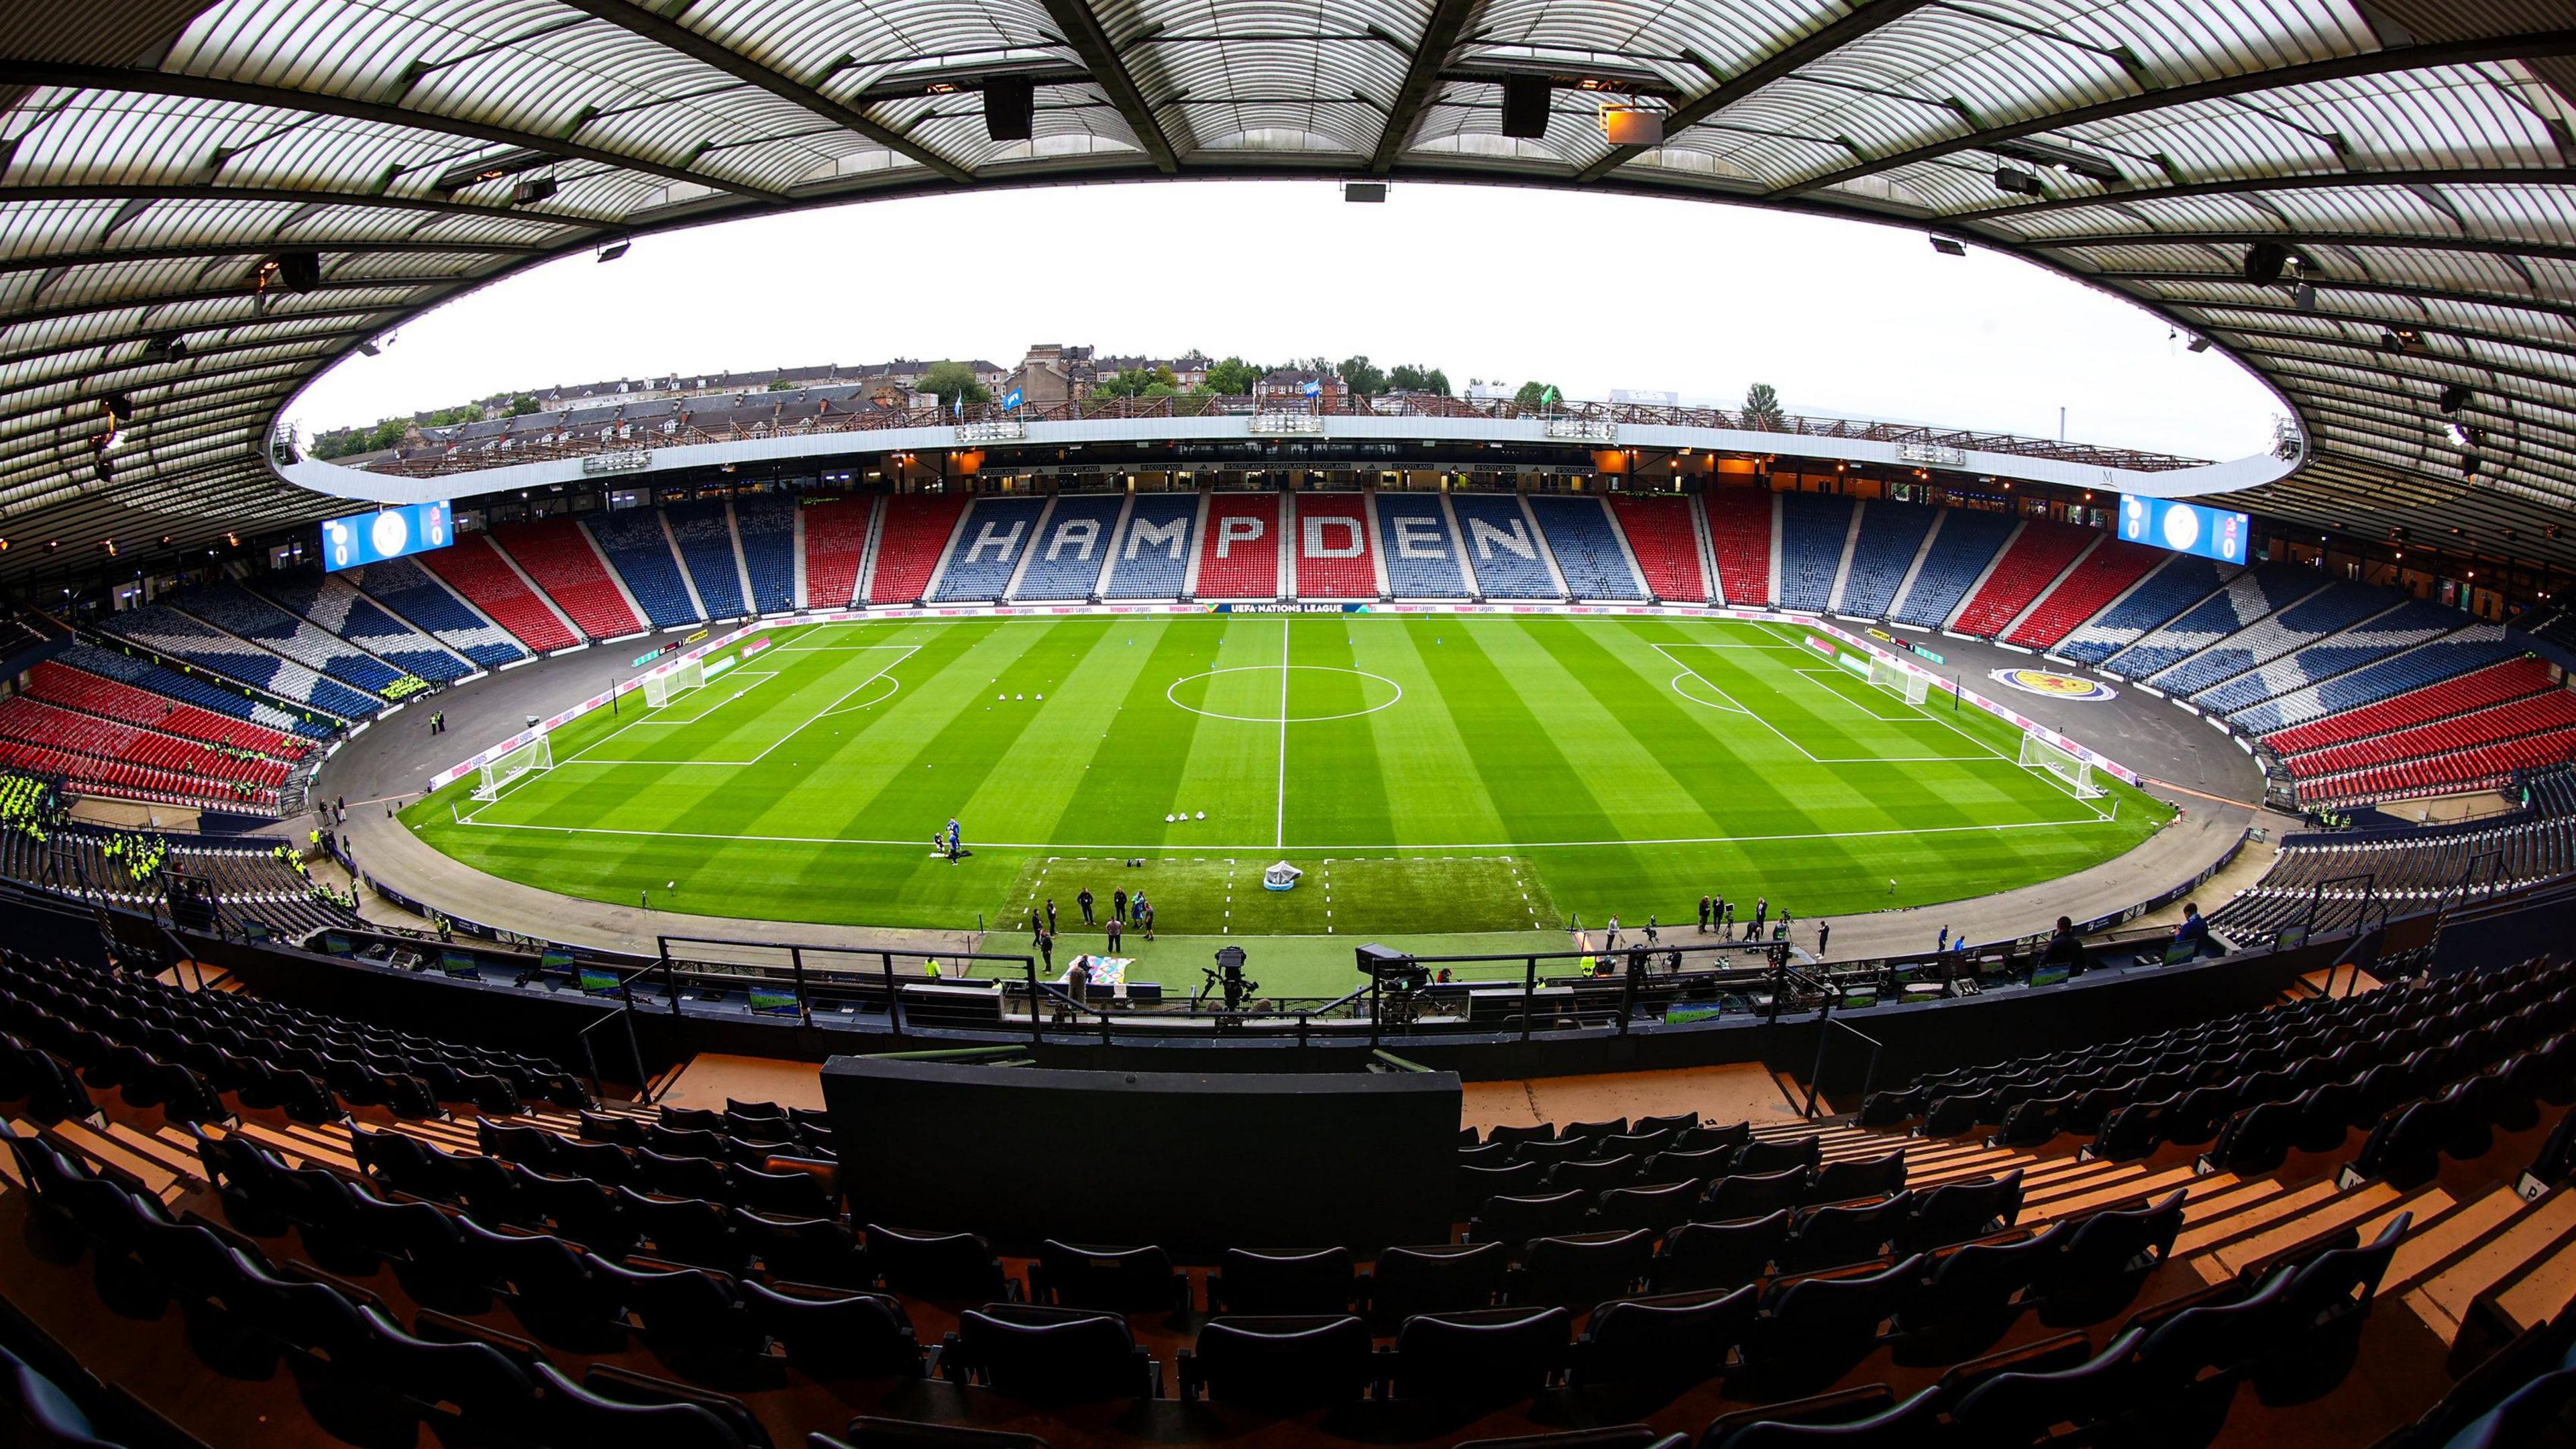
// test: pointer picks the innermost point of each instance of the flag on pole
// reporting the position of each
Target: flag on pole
(1314, 388)
(961, 405)
(1548, 398)
(1011, 399)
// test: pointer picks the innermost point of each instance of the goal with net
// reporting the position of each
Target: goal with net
(2038, 753)
(662, 686)
(1895, 678)
(537, 754)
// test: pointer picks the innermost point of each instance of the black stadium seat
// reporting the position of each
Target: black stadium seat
(1319, 1282)
(1139, 1279)
(1438, 1279)
(1282, 1364)
(1049, 1355)
(1479, 1357)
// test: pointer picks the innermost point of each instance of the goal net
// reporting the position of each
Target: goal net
(662, 687)
(537, 754)
(2039, 754)
(1895, 678)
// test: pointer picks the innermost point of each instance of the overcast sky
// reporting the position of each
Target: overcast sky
(1588, 292)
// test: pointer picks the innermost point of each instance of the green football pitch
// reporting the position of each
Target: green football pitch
(1431, 776)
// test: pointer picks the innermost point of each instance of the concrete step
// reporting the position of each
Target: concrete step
(2251, 1217)
(2369, 1202)
(2438, 1240)
(2536, 1231)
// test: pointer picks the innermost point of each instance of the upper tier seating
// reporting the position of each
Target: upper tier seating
(1891, 534)
(2097, 579)
(559, 557)
(1239, 557)
(910, 539)
(145, 675)
(767, 527)
(35, 722)
(1151, 558)
(1332, 552)
(1420, 550)
(2409, 868)
(1739, 535)
(169, 632)
(1503, 549)
(704, 534)
(988, 549)
(836, 544)
(245, 615)
(2034, 560)
(477, 570)
(1587, 547)
(334, 606)
(2474, 647)
(1960, 552)
(2553, 710)
(58, 681)
(1661, 535)
(1813, 528)
(2247, 597)
(2181, 581)
(1072, 545)
(2416, 621)
(2477, 689)
(2332, 608)
(637, 543)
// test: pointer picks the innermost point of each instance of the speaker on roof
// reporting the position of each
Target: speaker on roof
(299, 271)
(1010, 108)
(1525, 106)
(2264, 261)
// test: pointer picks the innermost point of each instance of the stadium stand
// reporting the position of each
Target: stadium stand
(476, 568)
(1587, 547)
(1660, 533)
(1239, 558)
(1891, 534)
(1813, 529)
(151, 678)
(2181, 582)
(122, 753)
(2478, 689)
(2097, 579)
(1421, 552)
(1071, 548)
(836, 544)
(168, 632)
(766, 526)
(1739, 535)
(331, 604)
(2317, 880)
(59, 681)
(1331, 549)
(910, 539)
(2030, 565)
(245, 616)
(2413, 622)
(1502, 548)
(2330, 609)
(2545, 739)
(988, 549)
(635, 543)
(2464, 650)
(1960, 553)
(1151, 558)
(703, 529)
(2248, 596)
(2551, 711)
(559, 558)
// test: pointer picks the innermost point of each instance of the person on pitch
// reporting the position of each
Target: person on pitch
(1703, 915)
(1085, 900)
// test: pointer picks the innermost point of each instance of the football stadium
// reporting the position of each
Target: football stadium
(1117, 899)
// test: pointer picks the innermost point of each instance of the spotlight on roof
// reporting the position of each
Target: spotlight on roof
(368, 349)
(615, 249)
(2197, 344)
(2455, 397)
(2019, 183)
(2304, 297)
(2400, 339)
(165, 347)
(1369, 192)
(530, 192)
(2264, 261)
(1632, 125)
(1948, 246)
(2465, 435)
(1010, 107)
(2469, 465)
(298, 271)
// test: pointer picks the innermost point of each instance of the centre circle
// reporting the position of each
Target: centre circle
(1283, 710)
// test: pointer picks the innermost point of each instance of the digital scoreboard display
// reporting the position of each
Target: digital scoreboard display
(2186, 528)
(365, 538)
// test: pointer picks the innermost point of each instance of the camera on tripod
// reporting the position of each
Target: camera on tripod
(1227, 978)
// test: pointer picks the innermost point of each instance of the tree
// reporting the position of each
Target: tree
(780, 384)
(522, 405)
(951, 380)
(1413, 377)
(1363, 377)
(1535, 395)
(1762, 407)
(1234, 376)
(1137, 382)
(467, 413)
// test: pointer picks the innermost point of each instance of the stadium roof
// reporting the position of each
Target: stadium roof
(201, 208)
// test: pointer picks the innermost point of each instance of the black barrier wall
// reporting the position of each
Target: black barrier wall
(1195, 1162)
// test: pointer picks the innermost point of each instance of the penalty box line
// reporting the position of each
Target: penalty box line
(902, 653)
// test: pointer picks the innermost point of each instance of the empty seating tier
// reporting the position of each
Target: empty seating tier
(2180, 582)
(1587, 548)
(1151, 557)
(2247, 597)
(476, 569)
(2034, 561)
(38, 722)
(1891, 534)
(1421, 552)
(1661, 535)
(1959, 555)
(1813, 529)
(2463, 650)
(331, 604)
(910, 539)
(166, 631)
(766, 527)
(1072, 544)
(2087, 589)
(704, 532)
(638, 544)
(245, 615)
(60, 682)
(559, 557)
(988, 550)
(1739, 535)
(1239, 557)
(1504, 551)
(1332, 552)
(2495, 684)
(836, 544)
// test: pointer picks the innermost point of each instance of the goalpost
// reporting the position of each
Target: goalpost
(663, 686)
(1895, 678)
(536, 755)
(2039, 754)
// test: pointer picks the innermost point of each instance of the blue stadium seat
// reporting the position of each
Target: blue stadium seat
(706, 546)
(167, 631)
(1960, 553)
(1891, 534)
(236, 611)
(1502, 548)
(2248, 596)
(2180, 583)
(2474, 647)
(1812, 529)
(187, 689)
(1421, 553)
(988, 548)
(640, 552)
(1152, 555)
(329, 603)
(2337, 606)
(407, 589)
(1587, 548)
(2413, 622)
(767, 528)
(1071, 547)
